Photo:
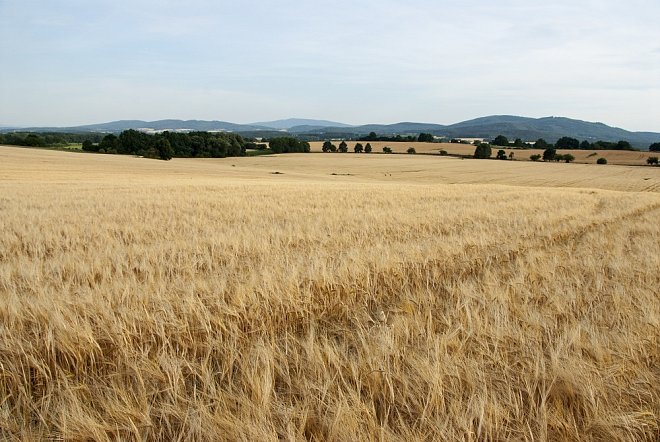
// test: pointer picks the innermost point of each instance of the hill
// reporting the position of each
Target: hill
(528, 129)
(290, 123)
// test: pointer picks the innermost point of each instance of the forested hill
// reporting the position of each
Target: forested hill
(549, 128)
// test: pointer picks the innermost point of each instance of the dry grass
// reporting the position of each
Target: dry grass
(621, 157)
(193, 300)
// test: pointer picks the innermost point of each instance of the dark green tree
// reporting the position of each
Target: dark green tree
(652, 161)
(387, 149)
(500, 140)
(567, 143)
(549, 154)
(601, 160)
(425, 138)
(623, 145)
(501, 155)
(568, 158)
(585, 145)
(358, 148)
(88, 146)
(367, 148)
(655, 147)
(343, 147)
(541, 144)
(109, 144)
(411, 150)
(165, 151)
(483, 151)
(288, 145)
(327, 147)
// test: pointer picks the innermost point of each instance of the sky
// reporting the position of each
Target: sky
(72, 62)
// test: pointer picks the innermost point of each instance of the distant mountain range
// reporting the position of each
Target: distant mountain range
(528, 129)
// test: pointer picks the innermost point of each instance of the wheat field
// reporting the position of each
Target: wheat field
(384, 298)
(621, 157)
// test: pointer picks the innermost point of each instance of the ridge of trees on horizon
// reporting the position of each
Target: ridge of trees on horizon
(569, 143)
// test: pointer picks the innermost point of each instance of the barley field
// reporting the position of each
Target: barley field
(327, 297)
(621, 157)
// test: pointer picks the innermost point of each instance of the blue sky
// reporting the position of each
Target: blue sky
(70, 62)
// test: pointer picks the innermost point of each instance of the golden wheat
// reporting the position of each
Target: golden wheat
(621, 157)
(212, 300)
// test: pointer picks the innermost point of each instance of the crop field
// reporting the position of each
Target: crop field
(621, 157)
(327, 297)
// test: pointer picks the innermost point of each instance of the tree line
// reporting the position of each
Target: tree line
(170, 144)
(570, 143)
(422, 138)
(46, 139)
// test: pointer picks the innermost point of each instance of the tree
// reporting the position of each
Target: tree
(387, 149)
(585, 145)
(655, 147)
(88, 146)
(549, 154)
(601, 161)
(519, 143)
(511, 155)
(541, 144)
(34, 140)
(343, 147)
(109, 144)
(425, 138)
(567, 143)
(411, 150)
(164, 148)
(568, 158)
(367, 148)
(535, 157)
(327, 147)
(501, 154)
(483, 151)
(133, 142)
(358, 148)
(288, 145)
(500, 140)
(651, 161)
(623, 145)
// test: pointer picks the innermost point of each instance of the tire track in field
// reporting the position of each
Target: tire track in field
(384, 287)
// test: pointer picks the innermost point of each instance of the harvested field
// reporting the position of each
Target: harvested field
(621, 157)
(402, 298)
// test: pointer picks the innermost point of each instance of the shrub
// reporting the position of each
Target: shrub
(411, 150)
(601, 161)
(549, 154)
(387, 149)
(568, 158)
(651, 161)
(501, 155)
(535, 157)
(443, 152)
